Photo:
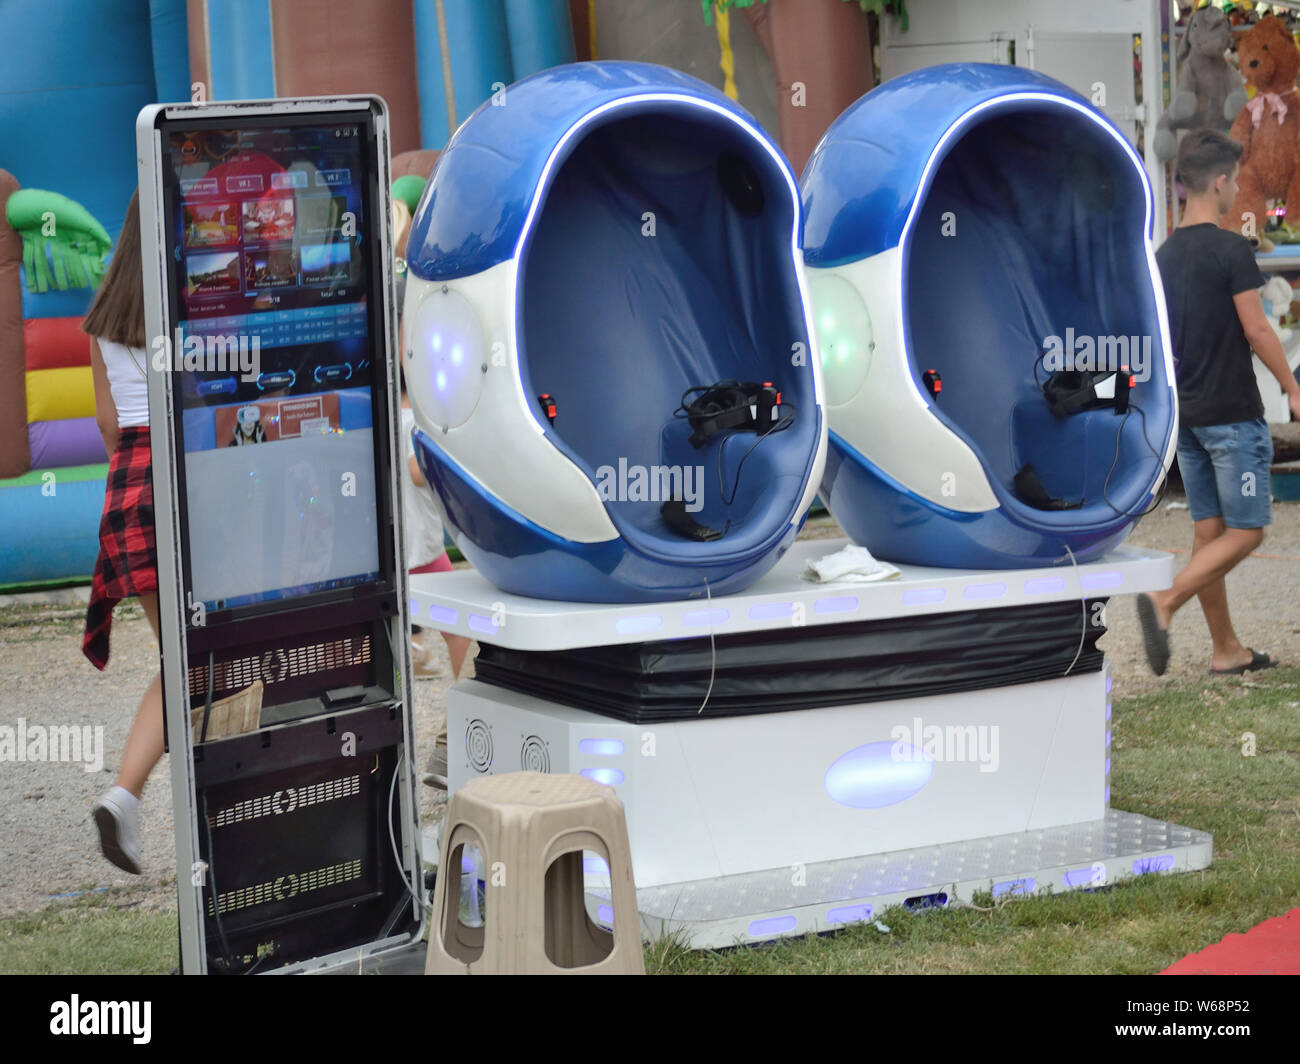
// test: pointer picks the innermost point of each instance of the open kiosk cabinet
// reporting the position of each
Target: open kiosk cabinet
(273, 400)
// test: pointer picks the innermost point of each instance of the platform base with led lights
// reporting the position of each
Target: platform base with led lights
(891, 746)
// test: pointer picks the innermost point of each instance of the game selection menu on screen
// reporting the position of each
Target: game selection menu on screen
(271, 276)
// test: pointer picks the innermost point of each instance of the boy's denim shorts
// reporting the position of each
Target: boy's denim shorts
(1225, 472)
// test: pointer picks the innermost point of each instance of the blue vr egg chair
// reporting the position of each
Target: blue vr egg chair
(590, 247)
(979, 244)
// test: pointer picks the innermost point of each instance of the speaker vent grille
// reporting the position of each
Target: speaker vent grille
(287, 886)
(280, 664)
(533, 756)
(286, 800)
(478, 745)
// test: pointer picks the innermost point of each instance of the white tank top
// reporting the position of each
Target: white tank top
(128, 380)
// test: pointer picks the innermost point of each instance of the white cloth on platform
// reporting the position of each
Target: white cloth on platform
(852, 564)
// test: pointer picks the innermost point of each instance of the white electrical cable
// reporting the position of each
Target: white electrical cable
(421, 904)
(713, 649)
(1083, 604)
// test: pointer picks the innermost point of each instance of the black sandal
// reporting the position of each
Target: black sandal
(1257, 661)
(1155, 640)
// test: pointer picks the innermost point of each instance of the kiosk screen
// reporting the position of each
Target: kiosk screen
(270, 275)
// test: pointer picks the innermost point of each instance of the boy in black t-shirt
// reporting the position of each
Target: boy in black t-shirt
(1224, 448)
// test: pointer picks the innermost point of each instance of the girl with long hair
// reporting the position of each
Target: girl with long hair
(127, 566)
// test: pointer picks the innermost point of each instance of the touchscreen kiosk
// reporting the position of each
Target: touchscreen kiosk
(273, 414)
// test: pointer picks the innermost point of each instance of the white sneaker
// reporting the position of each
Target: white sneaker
(117, 815)
(424, 661)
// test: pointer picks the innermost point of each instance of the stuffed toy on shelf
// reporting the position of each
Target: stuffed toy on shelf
(1268, 126)
(1277, 296)
(1210, 92)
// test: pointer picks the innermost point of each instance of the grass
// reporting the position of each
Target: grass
(96, 934)
(1178, 755)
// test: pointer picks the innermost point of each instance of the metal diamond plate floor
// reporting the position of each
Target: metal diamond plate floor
(821, 896)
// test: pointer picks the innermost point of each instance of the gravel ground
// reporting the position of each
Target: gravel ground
(48, 848)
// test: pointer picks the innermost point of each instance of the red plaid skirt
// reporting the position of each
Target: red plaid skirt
(128, 560)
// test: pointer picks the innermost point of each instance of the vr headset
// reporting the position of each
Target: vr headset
(1073, 391)
(740, 406)
(715, 409)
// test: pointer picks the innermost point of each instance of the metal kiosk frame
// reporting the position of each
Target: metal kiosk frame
(289, 856)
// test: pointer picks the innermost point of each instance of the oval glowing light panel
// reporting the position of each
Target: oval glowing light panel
(445, 352)
(844, 335)
(878, 774)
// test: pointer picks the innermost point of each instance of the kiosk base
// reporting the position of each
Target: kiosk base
(405, 959)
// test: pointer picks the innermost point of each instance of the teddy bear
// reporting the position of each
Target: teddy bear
(1268, 127)
(1210, 92)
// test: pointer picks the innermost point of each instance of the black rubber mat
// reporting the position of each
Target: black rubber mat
(808, 667)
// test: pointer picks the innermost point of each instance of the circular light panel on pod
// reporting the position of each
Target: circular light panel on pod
(445, 353)
(844, 335)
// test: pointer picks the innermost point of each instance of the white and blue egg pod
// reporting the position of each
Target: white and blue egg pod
(610, 234)
(963, 219)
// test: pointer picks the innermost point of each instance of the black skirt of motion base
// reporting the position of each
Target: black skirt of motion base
(809, 667)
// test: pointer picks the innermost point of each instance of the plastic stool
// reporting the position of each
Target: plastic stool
(531, 829)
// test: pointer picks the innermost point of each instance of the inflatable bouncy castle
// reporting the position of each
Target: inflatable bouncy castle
(607, 343)
(75, 76)
(51, 453)
(999, 381)
(69, 97)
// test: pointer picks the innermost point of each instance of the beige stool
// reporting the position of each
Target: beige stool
(531, 829)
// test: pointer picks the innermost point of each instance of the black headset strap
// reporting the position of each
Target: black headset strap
(708, 427)
(1073, 401)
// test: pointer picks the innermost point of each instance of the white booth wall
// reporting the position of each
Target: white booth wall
(1089, 47)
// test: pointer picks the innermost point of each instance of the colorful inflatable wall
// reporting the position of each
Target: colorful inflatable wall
(75, 76)
(51, 452)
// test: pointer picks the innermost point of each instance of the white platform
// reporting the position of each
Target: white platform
(735, 834)
(465, 603)
(722, 796)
